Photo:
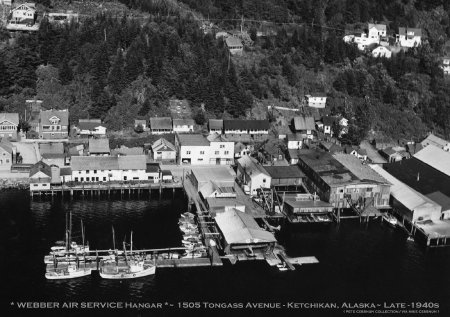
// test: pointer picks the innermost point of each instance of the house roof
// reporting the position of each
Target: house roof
(435, 157)
(181, 122)
(389, 151)
(440, 199)
(251, 166)
(360, 170)
(164, 123)
(246, 124)
(166, 173)
(215, 137)
(192, 140)
(99, 146)
(239, 228)
(233, 41)
(46, 115)
(140, 121)
(10, 117)
(75, 150)
(379, 27)
(163, 145)
(65, 171)
(89, 124)
(405, 31)
(407, 196)
(220, 174)
(304, 123)
(284, 172)
(434, 140)
(210, 187)
(132, 162)
(124, 150)
(6, 145)
(40, 167)
(215, 124)
(316, 94)
(152, 168)
(51, 148)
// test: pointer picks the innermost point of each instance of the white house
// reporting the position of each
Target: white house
(192, 149)
(7, 152)
(316, 100)
(40, 176)
(246, 126)
(409, 37)
(161, 125)
(142, 123)
(304, 126)
(446, 65)
(234, 45)
(241, 149)
(8, 125)
(25, 11)
(252, 175)
(381, 51)
(294, 141)
(164, 151)
(221, 151)
(88, 127)
(110, 168)
(376, 31)
(183, 125)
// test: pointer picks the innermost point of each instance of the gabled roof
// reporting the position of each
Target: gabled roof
(360, 170)
(192, 140)
(436, 158)
(246, 124)
(6, 145)
(240, 228)
(405, 31)
(434, 140)
(304, 123)
(233, 41)
(251, 166)
(215, 137)
(316, 95)
(163, 123)
(132, 162)
(40, 167)
(379, 27)
(124, 150)
(10, 117)
(163, 145)
(181, 122)
(440, 199)
(99, 146)
(46, 115)
(215, 124)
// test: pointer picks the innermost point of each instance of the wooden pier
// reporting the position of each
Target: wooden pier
(106, 188)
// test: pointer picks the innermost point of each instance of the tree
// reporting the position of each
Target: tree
(139, 128)
(199, 117)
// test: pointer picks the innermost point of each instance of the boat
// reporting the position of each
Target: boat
(187, 215)
(390, 219)
(192, 255)
(189, 230)
(135, 266)
(67, 269)
(282, 267)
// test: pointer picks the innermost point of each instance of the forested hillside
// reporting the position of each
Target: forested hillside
(118, 68)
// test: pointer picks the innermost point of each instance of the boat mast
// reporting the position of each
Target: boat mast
(114, 239)
(67, 236)
(131, 243)
(70, 228)
(82, 233)
(125, 252)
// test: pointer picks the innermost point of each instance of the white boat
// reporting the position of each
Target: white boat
(390, 219)
(71, 271)
(187, 215)
(134, 267)
(73, 248)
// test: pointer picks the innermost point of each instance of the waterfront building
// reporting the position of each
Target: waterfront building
(436, 141)
(252, 175)
(220, 175)
(110, 168)
(53, 124)
(215, 126)
(183, 125)
(343, 180)
(53, 153)
(99, 147)
(9, 123)
(161, 125)
(284, 176)
(163, 151)
(298, 207)
(437, 158)
(408, 203)
(241, 233)
(40, 176)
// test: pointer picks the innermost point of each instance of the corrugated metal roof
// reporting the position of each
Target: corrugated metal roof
(163, 145)
(132, 162)
(82, 163)
(304, 123)
(181, 122)
(435, 140)
(360, 170)
(51, 148)
(435, 157)
(407, 196)
(240, 228)
(233, 41)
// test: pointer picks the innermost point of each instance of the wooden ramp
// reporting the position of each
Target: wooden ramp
(167, 263)
(303, 260)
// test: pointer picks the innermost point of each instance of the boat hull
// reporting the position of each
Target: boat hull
(66, 275)
(128, 275)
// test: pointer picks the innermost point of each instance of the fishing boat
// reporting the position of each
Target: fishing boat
(64, 268)
(134, 266)
(390, 219)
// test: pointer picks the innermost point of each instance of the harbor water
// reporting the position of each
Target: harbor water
(359, 263)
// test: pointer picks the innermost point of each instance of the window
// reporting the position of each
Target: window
(76, 179)
(79, 172)
(124, 178)
(202, 152)
(222, 146)
(104, 179)
(188, 152)
(95, 171)
(87, 171)
(81, 179)
(87, 179)
(216, 152)
(35, 185)
(96, 179)
(227, 152)
(264, 180)
(200, 159)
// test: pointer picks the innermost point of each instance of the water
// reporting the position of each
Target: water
(358, 263)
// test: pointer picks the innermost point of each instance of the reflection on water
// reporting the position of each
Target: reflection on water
(357, 262)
